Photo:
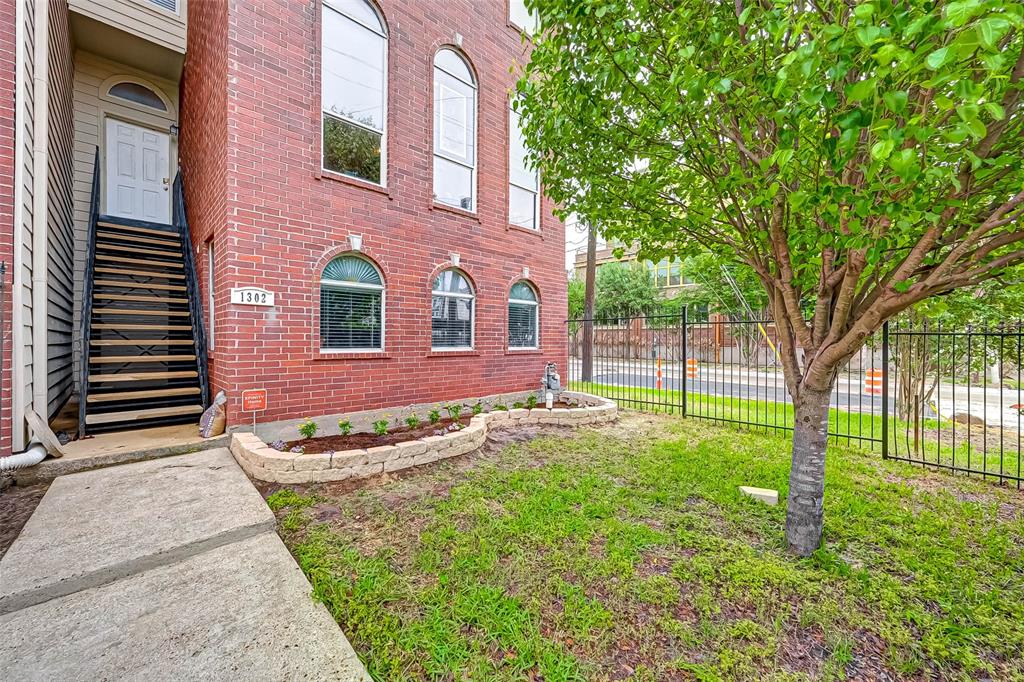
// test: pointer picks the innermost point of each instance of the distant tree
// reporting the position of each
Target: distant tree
(624, 290)
(710, 287)
(858, 156)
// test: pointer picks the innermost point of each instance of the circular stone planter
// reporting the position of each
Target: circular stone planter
(267, 464)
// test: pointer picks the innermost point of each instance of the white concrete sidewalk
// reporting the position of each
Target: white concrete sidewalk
(166, 569)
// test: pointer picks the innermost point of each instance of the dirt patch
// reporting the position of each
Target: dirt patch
(17, 503)
(354, 441)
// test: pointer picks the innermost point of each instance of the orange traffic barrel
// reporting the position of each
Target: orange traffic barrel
(692, 368)
(873, 382)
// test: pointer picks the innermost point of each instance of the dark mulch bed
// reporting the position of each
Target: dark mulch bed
(372, 440)
(17, 502)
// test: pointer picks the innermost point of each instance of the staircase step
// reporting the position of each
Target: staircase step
(137, 261)
(141, 327)
(121, 359)
(141, 342)
(142, 376)
(144, 299)
(136, 415)
(139, 395)
(173, 245)
(128, 311)
(140, 273)
(138, 249)
(135, 285)
(126, 224)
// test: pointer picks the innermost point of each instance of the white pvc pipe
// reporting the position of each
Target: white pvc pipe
(17, 424)
(34, 455)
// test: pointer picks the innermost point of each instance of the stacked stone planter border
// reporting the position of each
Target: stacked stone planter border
(267, 464)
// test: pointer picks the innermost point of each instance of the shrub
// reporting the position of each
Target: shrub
(412, 421)
(501, 406)
(308, 428)
(454, 411)
(478, 408)
(517, 405)
(435, 416)
(345, 426)
(380, 427)
(531, 402)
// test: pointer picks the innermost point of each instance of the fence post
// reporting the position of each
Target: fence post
(682, 341)
(885, 390)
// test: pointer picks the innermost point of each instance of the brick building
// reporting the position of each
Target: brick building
(327, 199)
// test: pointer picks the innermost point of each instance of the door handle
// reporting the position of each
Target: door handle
(166, 182)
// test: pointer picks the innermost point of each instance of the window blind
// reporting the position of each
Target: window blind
(522, 325)
(350, 319)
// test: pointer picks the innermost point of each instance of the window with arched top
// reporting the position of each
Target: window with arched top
(451, 311)
(454, 131)
(523, 317)
(354, 90)
(137, 94)
(351, 305)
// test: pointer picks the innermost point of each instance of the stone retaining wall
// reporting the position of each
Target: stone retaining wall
(267, 464)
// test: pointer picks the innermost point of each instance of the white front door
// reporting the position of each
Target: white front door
(138, 173)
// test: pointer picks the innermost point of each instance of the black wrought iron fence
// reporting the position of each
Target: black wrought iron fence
(912, 393)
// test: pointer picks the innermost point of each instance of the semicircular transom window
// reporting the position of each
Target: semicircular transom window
(351, 305)
(451, 311)
(523, 317)
(139, 94)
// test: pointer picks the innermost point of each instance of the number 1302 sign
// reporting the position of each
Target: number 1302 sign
(252, 296)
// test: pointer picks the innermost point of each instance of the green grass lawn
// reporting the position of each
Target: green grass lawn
(627, 553)
(863, 429)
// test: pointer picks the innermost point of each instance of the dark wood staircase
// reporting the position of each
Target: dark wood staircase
(144, 348)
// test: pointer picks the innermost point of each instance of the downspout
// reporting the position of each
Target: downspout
(17, 424)
(40, 216)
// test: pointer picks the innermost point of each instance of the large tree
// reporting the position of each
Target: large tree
(859, 156)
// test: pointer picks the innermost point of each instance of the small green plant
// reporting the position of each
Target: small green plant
(380, 427)
(531, 402)
(412, 421)
(345, 426)
(308, 428)
(454, 411)
(288, 498)
(435, 416)
(501, 406)
(478, 408)
(517, 405)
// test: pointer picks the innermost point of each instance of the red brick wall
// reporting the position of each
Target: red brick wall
(285, 220)
(7, 73)
(203, 141)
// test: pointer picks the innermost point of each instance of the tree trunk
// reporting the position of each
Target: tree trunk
(588, 306)
(804, 508)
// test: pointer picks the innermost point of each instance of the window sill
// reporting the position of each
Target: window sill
(524, 351)
(472, 215)
(351, 355)
(527, 230)
(325, 174)
(453, 353)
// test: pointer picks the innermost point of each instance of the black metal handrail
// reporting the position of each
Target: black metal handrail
(85, 324)
(195, 302)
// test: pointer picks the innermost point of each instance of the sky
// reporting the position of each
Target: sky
(575, 238)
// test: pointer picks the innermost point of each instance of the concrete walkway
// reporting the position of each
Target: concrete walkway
(166, 569)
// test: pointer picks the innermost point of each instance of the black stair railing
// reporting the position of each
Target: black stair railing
(195, 301)
(85, 324)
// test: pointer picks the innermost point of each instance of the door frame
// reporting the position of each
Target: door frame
(172, 155)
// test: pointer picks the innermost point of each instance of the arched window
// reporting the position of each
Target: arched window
(351, 305)
(454, 131)
(138, 94)
(354, 90)
(523, 318)
(452, 311)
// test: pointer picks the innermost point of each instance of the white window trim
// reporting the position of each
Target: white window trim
(383, 132)
(472, 320)
(476, 136)
(536, 322)
(359, 286)
(535, 191)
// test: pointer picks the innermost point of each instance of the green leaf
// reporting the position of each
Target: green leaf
(864, 11)
(860, 90)
(960, 12)
(995, 110)
(936, 59)
(896, 101)
(882, 149)
(991, 30)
